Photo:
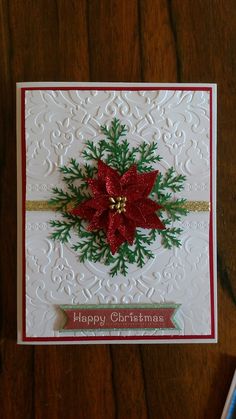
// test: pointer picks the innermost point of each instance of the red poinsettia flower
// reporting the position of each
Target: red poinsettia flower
(120, 204)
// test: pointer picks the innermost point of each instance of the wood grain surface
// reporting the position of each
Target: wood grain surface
(118, 40)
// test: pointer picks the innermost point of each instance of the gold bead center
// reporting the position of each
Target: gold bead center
(118, 203)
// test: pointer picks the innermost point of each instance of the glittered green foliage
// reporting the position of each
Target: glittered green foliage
(115, 151)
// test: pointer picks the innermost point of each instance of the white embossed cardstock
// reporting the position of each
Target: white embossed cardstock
(116, 213)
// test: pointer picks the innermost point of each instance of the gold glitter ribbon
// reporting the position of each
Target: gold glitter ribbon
(195, 206)
(39, 206)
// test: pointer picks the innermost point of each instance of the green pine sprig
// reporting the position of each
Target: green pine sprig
(61, 199)
(170, 237)
(92, 151)
(117, 153)
(63, 227)
(147, 157)
(71, 172)
(74, 172)
(169, 181)
(142, 253)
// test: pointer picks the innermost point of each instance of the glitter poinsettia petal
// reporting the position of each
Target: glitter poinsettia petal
(84, 211)
(148, 180)
(129, 177)
(120, 204)
(152, 221)
(147, 206)
(133, 212)
(127, 230)
(113, 185)
(99, 221)
(104, 170)
(114, 237)
(97, 186)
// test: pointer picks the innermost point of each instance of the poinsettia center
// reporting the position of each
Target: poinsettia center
(118, 203)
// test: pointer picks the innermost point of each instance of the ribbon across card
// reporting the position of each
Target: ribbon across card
(120, 317)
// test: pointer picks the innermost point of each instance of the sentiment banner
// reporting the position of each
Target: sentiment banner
(110, 317)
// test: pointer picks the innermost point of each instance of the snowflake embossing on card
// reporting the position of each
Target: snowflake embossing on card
(116, 213)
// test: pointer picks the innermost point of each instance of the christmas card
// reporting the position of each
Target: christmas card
(116, 213)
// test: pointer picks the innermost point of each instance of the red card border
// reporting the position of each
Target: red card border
(25, 338)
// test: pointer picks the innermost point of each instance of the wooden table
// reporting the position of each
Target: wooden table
(121, 40)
